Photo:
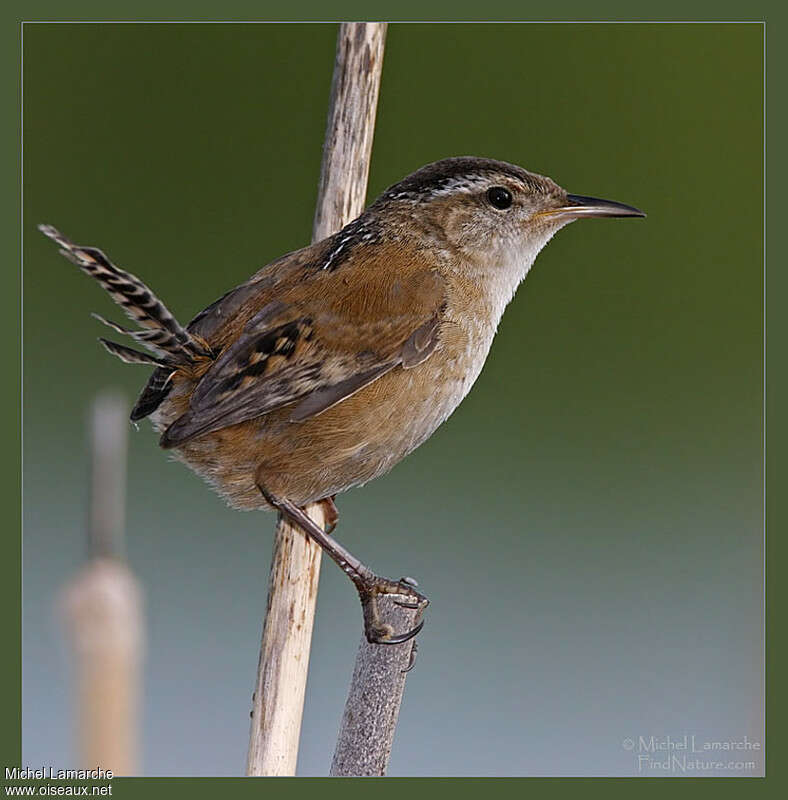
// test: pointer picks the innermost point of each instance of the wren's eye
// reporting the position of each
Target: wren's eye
(499, 197)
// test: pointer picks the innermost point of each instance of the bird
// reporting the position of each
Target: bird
(332, 363)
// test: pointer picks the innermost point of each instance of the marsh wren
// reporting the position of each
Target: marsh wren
(329, 365)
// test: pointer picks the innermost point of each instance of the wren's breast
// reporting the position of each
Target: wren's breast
(457, 363)
(405, 407)
(428, 394)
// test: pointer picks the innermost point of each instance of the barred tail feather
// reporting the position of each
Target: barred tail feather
(164, 333)
(159, 342)
(130, 356)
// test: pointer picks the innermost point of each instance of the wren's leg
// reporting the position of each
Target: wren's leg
(367, 583)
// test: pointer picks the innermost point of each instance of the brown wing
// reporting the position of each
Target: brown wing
(217, 322)
(324, 340)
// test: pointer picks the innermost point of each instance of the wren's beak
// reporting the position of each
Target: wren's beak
(577, 206)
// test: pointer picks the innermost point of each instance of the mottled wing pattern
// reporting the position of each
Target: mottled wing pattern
(315, 351)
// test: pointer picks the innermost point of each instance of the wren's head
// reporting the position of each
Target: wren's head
(488, 219)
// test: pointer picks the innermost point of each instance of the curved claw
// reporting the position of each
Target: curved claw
(406, 603)
(412, 662)
(402, 637)
(409, 591)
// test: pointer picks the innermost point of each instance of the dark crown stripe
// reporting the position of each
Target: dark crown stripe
(433, 177)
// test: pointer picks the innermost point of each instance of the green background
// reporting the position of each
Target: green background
(588, 525)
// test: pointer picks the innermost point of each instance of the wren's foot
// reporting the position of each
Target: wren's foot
(369, 588)
(368, 585)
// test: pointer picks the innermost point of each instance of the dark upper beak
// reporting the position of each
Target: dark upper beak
(578, 205)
